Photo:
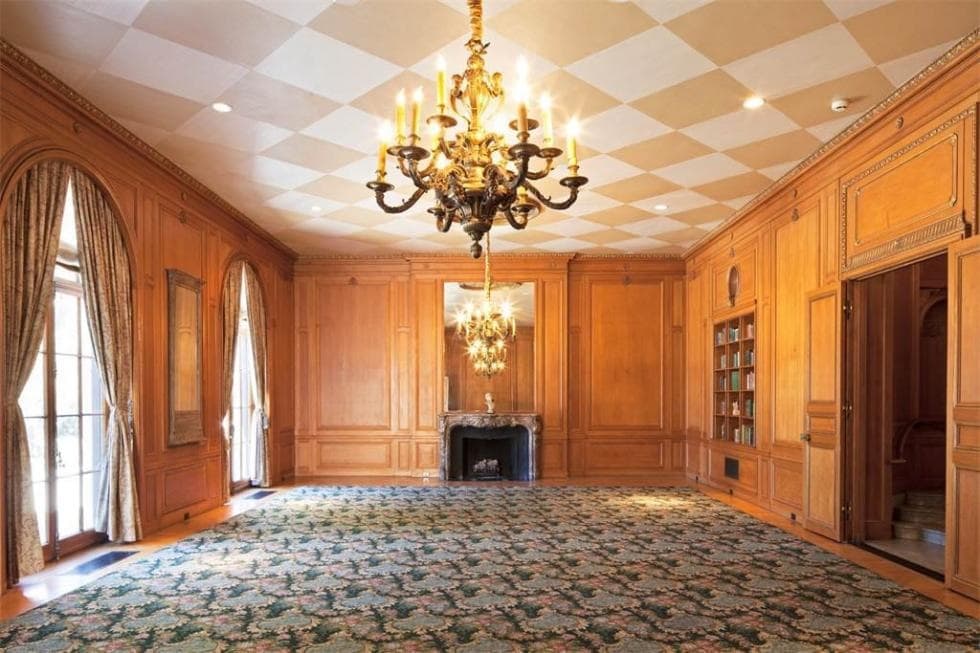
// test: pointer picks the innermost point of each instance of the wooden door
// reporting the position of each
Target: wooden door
(822, 437)
(963, 420)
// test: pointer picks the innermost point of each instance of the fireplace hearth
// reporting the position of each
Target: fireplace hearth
(488, 446)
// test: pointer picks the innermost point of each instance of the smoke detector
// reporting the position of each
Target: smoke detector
(839, 105)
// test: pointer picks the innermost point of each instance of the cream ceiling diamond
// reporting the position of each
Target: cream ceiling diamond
(657, 85)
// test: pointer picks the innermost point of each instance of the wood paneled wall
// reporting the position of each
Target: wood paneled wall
(169, 222)
(371, 359)
(898, 187)
(626, 350)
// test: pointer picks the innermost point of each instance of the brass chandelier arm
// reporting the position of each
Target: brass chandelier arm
(379, 196)
(544, 172)
(547, 201)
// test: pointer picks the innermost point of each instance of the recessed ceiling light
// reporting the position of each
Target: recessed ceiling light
(660, 207)
(221, 107)
(316, 209)
(753, 102)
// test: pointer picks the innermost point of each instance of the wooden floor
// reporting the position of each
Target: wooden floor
(54, 581)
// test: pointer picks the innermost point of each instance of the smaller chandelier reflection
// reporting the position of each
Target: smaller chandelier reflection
(486, 327)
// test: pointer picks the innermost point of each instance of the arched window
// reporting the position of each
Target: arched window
(244, 394)
(68, 334)
(243, 404)
(65, 411)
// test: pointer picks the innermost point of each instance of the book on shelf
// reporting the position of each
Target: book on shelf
(750, 381)
(736, 380)
(749, 408)
(750, 330)
(749, 357)
(724, 360)
(735, 359)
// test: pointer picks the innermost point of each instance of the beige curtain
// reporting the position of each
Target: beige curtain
(107, 285)
(29, 247)
(260, 416)
(231, 297)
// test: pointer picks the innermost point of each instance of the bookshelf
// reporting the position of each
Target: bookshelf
(733, 400)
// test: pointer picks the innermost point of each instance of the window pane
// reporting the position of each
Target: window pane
(69, 237)
(68, 457)
(90, 488)
(65, 274)
(85, 339)
(37, 445)
(66, 384)
(92, 443)
(92, 401)
(32, 398)
(65, 323)
(41, 509)
(69, 506)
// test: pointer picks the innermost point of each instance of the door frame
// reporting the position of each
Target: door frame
(855, 398)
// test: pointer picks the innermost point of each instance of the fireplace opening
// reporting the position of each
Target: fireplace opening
(489, 454)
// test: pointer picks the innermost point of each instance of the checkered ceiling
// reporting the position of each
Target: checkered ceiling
(657, 85)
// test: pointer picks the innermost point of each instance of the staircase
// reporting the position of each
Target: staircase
(920, 515)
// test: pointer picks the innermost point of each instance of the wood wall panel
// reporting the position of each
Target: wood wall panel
(353, 356)
(626, 363)
(168, 223)
(963, 421)
(912, 195)
(626, 346)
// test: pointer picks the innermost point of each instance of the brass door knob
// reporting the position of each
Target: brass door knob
(804, 437)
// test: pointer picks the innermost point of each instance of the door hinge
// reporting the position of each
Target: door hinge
(847, 308)
(845, 511)
(846, 409)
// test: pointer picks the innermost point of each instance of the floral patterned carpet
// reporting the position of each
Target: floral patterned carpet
(350, 569)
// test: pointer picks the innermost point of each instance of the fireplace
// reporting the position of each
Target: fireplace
(488, 446)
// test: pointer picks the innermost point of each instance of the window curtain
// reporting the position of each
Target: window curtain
(106, 284)
(31, 230)
(260, 416)
(231, 299)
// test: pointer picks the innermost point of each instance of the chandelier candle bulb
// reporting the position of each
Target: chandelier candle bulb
(400, 116)
(571, 146)
(416, 110)
(441, 84)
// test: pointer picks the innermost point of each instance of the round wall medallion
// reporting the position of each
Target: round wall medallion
(732, 284)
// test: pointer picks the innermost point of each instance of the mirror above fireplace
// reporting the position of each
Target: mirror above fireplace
(513, 388)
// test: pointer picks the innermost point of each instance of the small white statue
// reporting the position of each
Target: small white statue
(489, 399)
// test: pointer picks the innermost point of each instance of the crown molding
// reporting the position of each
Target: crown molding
(926, 75)
(439, 256)
(37, 73)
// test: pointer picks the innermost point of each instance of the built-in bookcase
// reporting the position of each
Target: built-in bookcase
(734, 380)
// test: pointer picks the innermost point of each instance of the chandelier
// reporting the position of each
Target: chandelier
(476, 174)
(486, 327)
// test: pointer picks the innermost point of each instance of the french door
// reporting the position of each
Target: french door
(64, 410)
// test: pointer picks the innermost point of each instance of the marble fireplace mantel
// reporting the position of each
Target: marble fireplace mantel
(483, 420)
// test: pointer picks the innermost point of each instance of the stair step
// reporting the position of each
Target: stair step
(921, 532)
(932, 499)
(922, 515)
(906, 531)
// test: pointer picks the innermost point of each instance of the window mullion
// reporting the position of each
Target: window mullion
(51, 430)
